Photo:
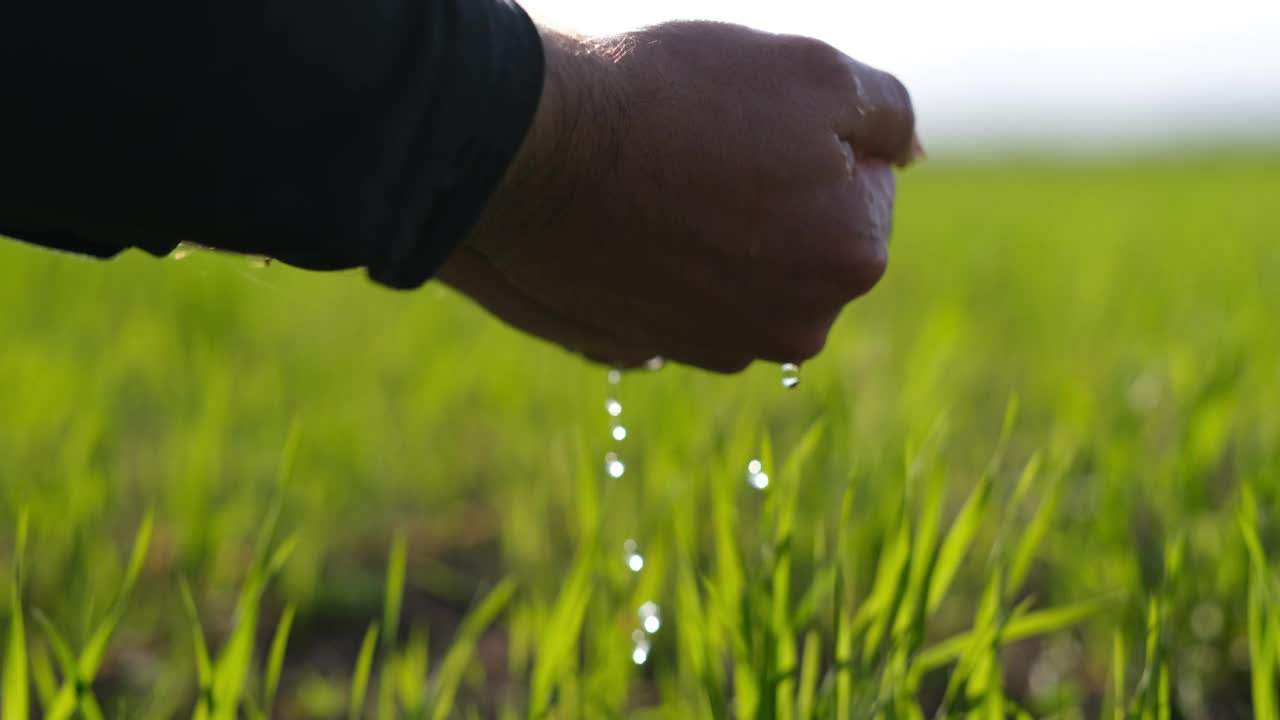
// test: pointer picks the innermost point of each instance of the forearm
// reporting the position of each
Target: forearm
(326, 134)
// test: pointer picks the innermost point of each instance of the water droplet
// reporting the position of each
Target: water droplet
(650, 617)
(635, 561)
(614, 466)
(756, 476)
(640, 649)
(613, 406)
(790, 375)
(655, 363)
(615, 377)
(754, 467)
(619, 433)
(181, 254)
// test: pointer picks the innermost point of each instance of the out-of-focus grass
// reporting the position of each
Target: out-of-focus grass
(1033, 473)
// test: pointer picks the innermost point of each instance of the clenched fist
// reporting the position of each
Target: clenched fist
(700, 191)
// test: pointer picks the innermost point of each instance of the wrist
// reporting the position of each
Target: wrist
(578, 119)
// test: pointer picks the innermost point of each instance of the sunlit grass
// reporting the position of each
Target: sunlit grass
(1034, 474)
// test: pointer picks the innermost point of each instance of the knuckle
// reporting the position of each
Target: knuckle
(817, 55)
(896, 89)
(900, 99)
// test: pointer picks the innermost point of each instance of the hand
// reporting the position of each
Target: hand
(700, 191)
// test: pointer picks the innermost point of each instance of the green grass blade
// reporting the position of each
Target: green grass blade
(808, 688)
(138, 556)
(1033, 534)
(463, 649)
(204, 666)
(910, 621)
(89, 708)
(280, 556)
(1164, 706)
(1145, 698)
(783, 636)
(958, 541)
(233, 666)
(1030, 472)
(411, 673)
(1020, 626)
(559, 643)
(360, 676)
(14, 684)
(265, 542)
(393, 596)
(1118, 666)
(819, 592)
(93, 652)
(843, 613)
(289, 455)
(275, 659)
(802, 453)
(725, 590)
(394, 593)
(1262, 670)
(43, 676)
(64, 701)
(892, 576)
(385, 699)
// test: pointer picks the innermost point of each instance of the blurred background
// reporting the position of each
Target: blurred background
(1001, 74)
(1036, 471)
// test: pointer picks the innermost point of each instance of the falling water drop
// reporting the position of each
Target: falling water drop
(614, 466)
(650, 617)
(640, 647)
(613, 406)
(635, 561)
(655, 363)
(756, 476)
(615, 376)
(790, 375)
(619, 432)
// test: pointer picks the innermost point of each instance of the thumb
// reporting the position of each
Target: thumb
(877, 117)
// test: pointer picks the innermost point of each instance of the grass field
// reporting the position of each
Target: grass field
(1034, 473)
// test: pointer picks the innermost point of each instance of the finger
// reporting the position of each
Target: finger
(626, 307)
(878, 117)
(472, 274)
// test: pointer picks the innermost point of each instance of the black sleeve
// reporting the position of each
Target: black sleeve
(327, 134)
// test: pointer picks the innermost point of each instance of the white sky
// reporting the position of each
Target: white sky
(1066, 73)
